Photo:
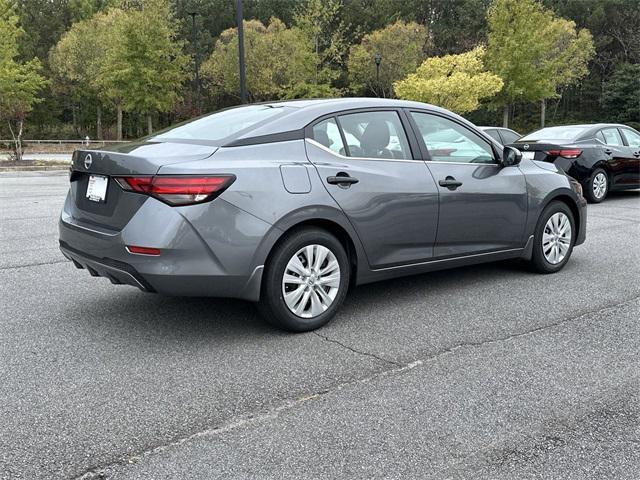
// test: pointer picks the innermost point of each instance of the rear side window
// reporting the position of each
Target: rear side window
(375, 135)
(494, 134)
(633, 138)
(447, 141)
(612, 136)
(223, 124)
(327, 133)
(509, 136)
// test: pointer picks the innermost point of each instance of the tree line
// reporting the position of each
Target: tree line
(122, 68)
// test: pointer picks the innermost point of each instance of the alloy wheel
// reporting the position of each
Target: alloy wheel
(311, 281)
(599, 185)
(556, 238)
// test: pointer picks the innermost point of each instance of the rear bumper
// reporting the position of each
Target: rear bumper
(192, 262)
(119, 273)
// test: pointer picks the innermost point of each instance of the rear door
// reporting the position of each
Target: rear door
(367, 164)
(483, 206)
(631, 176)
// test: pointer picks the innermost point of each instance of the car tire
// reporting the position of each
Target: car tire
(322, 287)
(597, 186)
(552, 247)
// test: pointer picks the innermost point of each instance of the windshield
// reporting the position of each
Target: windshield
(556, 133)
(222, 124)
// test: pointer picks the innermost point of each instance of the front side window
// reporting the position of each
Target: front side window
(612, 136)
(375, 135)
(448, 141)
(633, 138)
(327, 133)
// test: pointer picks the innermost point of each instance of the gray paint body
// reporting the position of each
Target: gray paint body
(397, 219)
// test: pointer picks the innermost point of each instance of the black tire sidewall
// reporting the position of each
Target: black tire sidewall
(589, 188)
(539, 262)
(272, 303)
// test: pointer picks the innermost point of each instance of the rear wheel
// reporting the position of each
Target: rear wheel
(554, 238)
(305, 281)
(598, 186)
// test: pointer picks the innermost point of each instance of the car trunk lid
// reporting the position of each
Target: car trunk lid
(141, 159)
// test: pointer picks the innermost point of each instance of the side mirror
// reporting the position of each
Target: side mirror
(511, 156)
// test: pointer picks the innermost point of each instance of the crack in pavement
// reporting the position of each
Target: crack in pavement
(101, 472)
(53, 262)
(359, 352)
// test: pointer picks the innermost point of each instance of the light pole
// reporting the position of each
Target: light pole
(243, 88)
(378, 60)
(196, 60)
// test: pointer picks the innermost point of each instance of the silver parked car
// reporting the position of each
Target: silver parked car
(289, 204)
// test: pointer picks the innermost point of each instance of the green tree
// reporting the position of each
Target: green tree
(77, 61)
(321, 21)
(277, 59)
(455, 82)
(20, 82)
(401, 46)
(144, 66)
(621, 95)
(527, 47)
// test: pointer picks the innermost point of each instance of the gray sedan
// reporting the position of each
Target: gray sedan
(290, 204)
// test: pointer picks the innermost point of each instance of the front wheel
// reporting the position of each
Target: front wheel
(306, 279)
(554, 238)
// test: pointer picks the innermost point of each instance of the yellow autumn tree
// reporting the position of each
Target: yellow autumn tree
(455, 82)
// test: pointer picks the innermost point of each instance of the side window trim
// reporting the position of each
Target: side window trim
(425, 150)
(345, 145)
(625, 142)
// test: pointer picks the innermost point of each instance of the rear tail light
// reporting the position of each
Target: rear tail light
(178, 190)
(566, 153)
(143, 250)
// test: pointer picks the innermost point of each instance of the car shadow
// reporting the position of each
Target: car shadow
(196, 319)
(622, 195)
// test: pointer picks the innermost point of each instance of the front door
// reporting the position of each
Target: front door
(366, 164)
(483, 206)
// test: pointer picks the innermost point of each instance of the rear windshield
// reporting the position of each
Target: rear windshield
(222, 124)
(556, 133)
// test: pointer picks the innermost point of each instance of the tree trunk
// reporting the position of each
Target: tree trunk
(99, 122)
(119, 122)
(149, 124)
(19, 141)
(543, 112)
(505, 115)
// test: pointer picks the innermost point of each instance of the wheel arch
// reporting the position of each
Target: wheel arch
(330, 219)
(567, 199)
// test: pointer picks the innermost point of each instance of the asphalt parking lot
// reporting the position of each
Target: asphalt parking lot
(487, 372)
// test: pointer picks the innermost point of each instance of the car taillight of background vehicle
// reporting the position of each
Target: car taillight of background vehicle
(178, 190)
(566, 153)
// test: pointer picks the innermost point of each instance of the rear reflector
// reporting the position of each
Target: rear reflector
(178, 190)
(143, 250)
(566, 153)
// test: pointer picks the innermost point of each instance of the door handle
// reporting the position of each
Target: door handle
(608, 151)
(342, 179)
(450, 182)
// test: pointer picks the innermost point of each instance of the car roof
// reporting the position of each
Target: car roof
(303, 112)
(590, 129)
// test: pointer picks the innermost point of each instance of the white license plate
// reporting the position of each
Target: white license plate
(97, 188)
(528, 155)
